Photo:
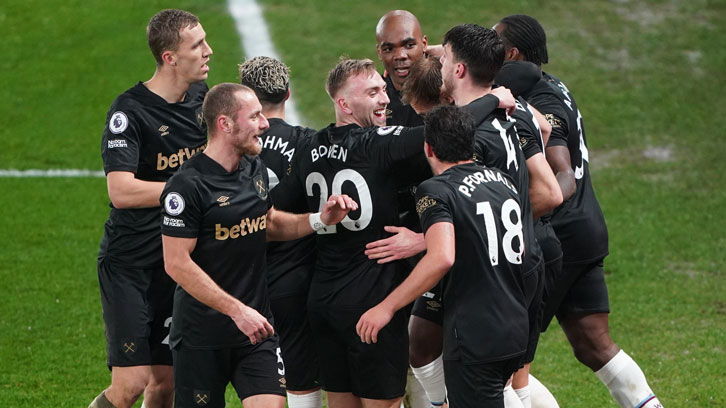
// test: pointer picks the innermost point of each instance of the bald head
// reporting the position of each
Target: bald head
(400, 43)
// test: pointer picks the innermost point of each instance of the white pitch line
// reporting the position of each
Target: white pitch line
(51, 173)
(256, 41)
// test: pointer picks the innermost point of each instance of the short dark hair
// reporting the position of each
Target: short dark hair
(423, 85)
(527, 35)
(163, 30)
(479, 48)
(345, 69)
(222, 100)
(449, 130)
(268, 77)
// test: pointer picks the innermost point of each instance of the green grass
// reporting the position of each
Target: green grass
(647, 75)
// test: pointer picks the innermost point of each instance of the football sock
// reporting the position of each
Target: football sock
(311, 400)
(511, 400)
(101, 402)
(415, 393)
(627, 383)
(524, 395)
(541, 397)
(431, 377)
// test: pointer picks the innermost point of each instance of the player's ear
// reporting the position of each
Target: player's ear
(425, 42)
(428, 150)
(460, 70)
(513, 54)
(224, 124)
(168, 57)
(288, 94)
(343, 105)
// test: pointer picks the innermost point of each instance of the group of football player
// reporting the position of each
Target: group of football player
(426, 237)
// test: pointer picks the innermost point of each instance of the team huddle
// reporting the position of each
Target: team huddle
(419, 245)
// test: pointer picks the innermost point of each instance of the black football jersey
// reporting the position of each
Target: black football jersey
(151, 138)
(227, 214)
(527, 128)
(355, 161)
(485, 318)
(399, 113)
(497, 145)
(289, 263)
(578, 222)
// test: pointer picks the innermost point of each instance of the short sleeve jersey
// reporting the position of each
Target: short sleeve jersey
(227, 214)
(355, 161)
(485, 318)
(151, 138)
(289, 263)
(578, 222)
(497, 145)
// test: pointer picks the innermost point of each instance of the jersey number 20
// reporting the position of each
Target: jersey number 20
(365, 204)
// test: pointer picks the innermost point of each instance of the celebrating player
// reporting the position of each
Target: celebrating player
(289, 264)
(217, 215)
(471, 217)
(150, 130)
(578, 295)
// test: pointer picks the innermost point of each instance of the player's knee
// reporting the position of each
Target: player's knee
(420, 353)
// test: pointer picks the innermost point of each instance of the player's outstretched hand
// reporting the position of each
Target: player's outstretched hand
(403, 244)
(506, 99)
(250, 322)
(435, 50)
(372, 322)
(337, 207)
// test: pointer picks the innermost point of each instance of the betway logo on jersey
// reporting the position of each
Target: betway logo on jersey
(471, 181)
(246, 226)
(176, 159)
(331, 152)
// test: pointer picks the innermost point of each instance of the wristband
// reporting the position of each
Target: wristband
(316, 222)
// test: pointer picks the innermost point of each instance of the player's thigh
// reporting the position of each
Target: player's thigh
(478, 385)
(264, 401)
(588, 293)
(332, 349)
(296, 342)
(200, 377)
(128, 315)
(258, 370)
(426, 341)
(379, 370)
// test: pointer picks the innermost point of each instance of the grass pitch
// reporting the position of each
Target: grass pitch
(647, 76)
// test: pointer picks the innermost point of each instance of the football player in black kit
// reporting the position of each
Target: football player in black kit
(472, 220)
(151, 129)
(289, 264)
(217, 215)
(578, 296)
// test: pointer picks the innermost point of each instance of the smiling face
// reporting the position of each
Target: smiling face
(364, 98)
(192, 54)
(399, 44)
(249, 123)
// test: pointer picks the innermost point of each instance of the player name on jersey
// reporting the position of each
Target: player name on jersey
(331, 152)
(279, 144)
(472, 180)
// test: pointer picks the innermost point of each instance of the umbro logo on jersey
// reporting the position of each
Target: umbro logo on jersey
(283, 382)
(223, 200)
(164, 130)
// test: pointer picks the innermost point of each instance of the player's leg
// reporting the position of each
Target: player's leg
(478, 385)
(127, 317)
(415, 396)
(201, 377)
(426, 344)
(298, 352)
(378, 370)
(534, 287)
(159, 392)
(258, 374)
(334, 374)
(541, 396)
(583, 316)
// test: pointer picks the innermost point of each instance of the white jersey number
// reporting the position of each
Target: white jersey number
(365, 204)
(508, 145)
(512, 230)
(580, 170)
